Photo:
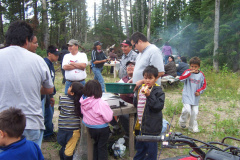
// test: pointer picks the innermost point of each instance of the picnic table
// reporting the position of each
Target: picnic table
(168, 79)
(85, 136)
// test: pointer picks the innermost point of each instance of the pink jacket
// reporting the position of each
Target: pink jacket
(95, 111)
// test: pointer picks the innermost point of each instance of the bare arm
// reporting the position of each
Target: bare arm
(74, 65)
(100, 61)
(160, 74)
(46, 90)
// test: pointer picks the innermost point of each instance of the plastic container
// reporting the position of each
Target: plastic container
(122, 88)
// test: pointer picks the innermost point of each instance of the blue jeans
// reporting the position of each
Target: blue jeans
(98, 76)
(48, 116)
(146, 151)
(35, 135)
(179, 74)
(166, 59)
(68, 84)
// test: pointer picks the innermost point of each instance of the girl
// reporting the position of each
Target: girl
(96, 115)
(69, 121)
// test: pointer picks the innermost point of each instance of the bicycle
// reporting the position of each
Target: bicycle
(176, 139)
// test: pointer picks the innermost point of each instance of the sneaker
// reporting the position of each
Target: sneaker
(52, 138)
(194, 130)
(182, 126)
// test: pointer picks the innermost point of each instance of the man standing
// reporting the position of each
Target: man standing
(149, 55)
(74, 64)
(128, 55)
(24, 77)
(49, 135)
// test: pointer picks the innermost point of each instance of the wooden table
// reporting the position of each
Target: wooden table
(129, 109)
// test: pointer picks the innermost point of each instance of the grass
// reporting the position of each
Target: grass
(219, 107)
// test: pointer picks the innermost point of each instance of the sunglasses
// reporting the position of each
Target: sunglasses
(135, 45)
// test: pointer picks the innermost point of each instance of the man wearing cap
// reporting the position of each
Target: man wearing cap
(149, 55)
(74, 64)
(98, 60)
(128, 55)
(49, 136)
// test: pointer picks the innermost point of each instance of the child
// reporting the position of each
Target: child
(194, 85)
(149, 102)
(69, 121)
(13, 144)
(96, 115)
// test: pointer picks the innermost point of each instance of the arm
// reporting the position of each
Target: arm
(106, 111)
(80, 66)
(100, 61)
(46, 90)
(156, 101)
(185, 75)
(204, 85)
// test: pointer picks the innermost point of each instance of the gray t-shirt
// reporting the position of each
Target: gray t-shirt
(22, 74)
(151, 55)
(131, 56)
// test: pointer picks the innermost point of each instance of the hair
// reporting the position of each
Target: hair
(17, 33)
(64, 47)
(172, 58)
(111, 49)
(166, 43)
(50, 48)
(92, 88)
(150, 70)
(77, 89)
(138, 36)
(13, 122)
(184, 59)
(195, 60)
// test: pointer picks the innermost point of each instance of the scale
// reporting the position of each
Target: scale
(113, 100)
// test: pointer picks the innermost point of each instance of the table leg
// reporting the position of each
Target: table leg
(131, 136)
(114, 70)
(89, 146)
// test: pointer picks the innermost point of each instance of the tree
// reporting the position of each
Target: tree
(1, 24)
(126, 17)
(45, 24)
(149, 19)
(216, 32)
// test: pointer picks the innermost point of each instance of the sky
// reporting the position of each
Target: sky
(90, 9)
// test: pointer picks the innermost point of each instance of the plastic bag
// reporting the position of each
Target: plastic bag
(119, 148)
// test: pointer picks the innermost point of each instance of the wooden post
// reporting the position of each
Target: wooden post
(131, 136)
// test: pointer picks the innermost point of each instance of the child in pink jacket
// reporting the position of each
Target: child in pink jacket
(96, 115)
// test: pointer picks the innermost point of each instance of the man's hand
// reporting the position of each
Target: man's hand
(140, 82)
(197, 94)
(52, 102)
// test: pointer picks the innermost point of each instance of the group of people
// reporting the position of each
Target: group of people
(27, 76)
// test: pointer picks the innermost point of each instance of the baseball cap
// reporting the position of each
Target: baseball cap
(133, 62)
(97, 43)
(126, 42)
(53, 50)
(73, 42)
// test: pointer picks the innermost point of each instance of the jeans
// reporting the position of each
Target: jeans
(68, 84)
(166, 59)
(98, 76)
(35, 135)
(48, 116)
(146, 151)
(179, 74)
(100, 137)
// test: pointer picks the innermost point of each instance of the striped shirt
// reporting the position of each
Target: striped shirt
(67, 118)
(140, 106)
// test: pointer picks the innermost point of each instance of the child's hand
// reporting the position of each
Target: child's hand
(197, 94)
(145, 90)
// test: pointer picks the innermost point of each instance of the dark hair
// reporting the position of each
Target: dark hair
(111, 49)
(92, 88)
(166, 43)
(184, 59)
(195, 60)
(172, 58)
(17, 33)
(138, 36)
(64, 47)
(50, 48)
(13, 122)
(150, 70)
(77, 89)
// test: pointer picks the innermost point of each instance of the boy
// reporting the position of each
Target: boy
(149, 102)
(49, 135)
(194, 85)
(13, 144)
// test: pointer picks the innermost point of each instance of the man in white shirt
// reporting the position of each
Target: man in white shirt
(74, 64)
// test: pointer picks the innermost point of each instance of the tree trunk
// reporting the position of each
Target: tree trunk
(165, 13)
(131, 14)
(45, 25)
(95, 15)
(137, 15)
(149, 19)
(125, 17)
(1, 25)
(216, 32)
(142, 13)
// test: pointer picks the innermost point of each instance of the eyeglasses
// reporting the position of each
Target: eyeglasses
(135, 45)
(130, 65)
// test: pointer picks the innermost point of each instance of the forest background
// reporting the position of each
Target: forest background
(190, 26)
